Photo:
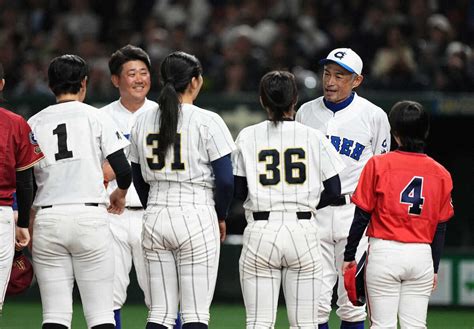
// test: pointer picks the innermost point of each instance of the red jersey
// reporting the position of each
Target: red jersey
(407, 193)
(18, 151)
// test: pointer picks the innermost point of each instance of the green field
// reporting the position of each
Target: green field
(23, 315)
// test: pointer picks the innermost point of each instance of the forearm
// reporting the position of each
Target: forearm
(121, 168)
(437, 245)
(359, 224)
(224, 185)
(332, 190)
(24, 195)
(142, 187)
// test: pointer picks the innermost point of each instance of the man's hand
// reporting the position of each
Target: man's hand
(22, 237)
(435, 282)
(117, 201)
(222, 229)
(109, 174)
(348, 265)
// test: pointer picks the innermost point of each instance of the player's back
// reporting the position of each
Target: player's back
(72, 137)
(185, 176)
(285, 165)
(413, 196)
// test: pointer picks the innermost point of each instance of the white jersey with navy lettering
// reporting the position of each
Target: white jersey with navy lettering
(185, 177)
(75, 139)
(124, 120)
(357, 132)
(285, 166)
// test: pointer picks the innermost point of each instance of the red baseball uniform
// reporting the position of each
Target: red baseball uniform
(407, 193)
(18, 151)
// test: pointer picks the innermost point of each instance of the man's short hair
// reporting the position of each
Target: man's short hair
(126, 54)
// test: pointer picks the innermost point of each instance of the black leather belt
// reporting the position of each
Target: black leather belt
(342, 200)
(88, 204)
(264, 215)
(133, 208)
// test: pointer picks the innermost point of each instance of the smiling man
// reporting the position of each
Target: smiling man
(358, 129)
(130, 74)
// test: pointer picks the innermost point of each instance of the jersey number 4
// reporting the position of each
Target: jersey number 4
(412, 194)
(295, 171)
(63, 152)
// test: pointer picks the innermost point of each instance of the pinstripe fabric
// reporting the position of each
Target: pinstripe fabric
(180, 229)
(284, 166)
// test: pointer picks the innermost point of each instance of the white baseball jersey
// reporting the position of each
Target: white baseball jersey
(185, 177)
(124, 120)
(289, 181)
(357, 132)
(75, 138)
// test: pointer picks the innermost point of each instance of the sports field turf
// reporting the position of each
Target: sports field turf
(26, 315)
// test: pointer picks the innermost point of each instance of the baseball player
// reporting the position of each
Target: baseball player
(18, 152)
(72, 238)
(280, 168)
(357, 129)
(405, 207)
(182, 171)
(130, 74)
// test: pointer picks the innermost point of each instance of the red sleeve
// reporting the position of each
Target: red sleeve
(364, 195)
(28, 150)
(446, 205)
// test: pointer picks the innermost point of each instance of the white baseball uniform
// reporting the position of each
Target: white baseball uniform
(285, 166)
(180, 232)
(127, 227)
(357, 132)
(72, 238)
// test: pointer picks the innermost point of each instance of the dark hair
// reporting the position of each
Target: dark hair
(177, 71)
(65, 74)
(410, 122)
(278, 93)
(126, 54)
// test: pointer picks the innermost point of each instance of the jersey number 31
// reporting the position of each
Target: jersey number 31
(412, 194)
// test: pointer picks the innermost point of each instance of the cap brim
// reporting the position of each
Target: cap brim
(325, 60)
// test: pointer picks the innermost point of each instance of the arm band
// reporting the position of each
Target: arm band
(142, 187)
(224, 180)
(438, 244)
(241, 189)
(24, 196)
(359, 224)
(123, 173)
(332, 190)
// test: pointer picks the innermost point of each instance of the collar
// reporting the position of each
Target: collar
(339, 106)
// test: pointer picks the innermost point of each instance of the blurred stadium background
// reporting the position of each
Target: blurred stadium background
(412, 49)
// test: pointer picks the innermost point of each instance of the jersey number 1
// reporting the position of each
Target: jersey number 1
(413, 195)
(63, 152)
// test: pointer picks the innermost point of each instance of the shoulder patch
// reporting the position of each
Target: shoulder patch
(33, 140)
(118, 135)
(37, 150)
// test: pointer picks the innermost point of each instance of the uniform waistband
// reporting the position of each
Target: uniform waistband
(133, 208)
(87, 204)
(342, 200)
(265, 215)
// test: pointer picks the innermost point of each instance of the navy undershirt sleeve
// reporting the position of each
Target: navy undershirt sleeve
(119, 163)
(24, 196)
(332, 190)
(359, 224)
(240, 188)
(438, 244)
(142, 187)
(224, 180)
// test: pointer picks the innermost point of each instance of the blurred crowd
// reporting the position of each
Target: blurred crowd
(405, 44)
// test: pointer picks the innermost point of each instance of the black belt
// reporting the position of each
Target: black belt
(342, 200)
(264, 215)
(133, 208)
(88, 204)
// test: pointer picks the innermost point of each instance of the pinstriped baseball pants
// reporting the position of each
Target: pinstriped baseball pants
(182, 248)
(281, 251)
(7, 244)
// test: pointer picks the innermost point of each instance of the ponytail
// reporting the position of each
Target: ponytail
(177, 71)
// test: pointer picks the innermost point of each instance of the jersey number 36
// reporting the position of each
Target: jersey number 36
(295, 171)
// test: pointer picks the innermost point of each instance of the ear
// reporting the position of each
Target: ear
(84, 82)
(2, 84)
(194, 83)
(115, 80)
(357, 81)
